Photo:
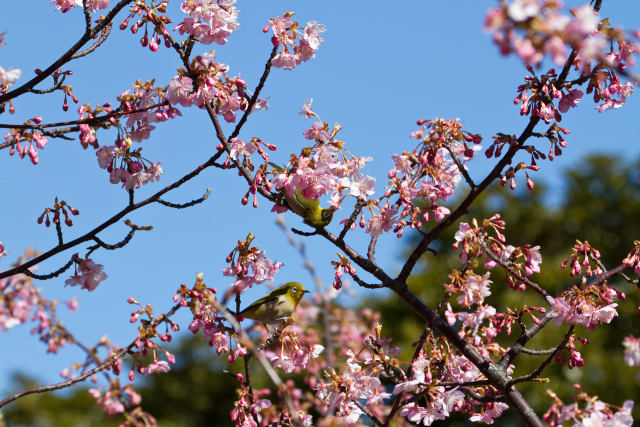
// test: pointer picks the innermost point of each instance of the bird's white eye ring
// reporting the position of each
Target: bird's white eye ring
(294, 290)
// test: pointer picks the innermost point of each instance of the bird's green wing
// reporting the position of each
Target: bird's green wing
(270, 297)
(301, 205)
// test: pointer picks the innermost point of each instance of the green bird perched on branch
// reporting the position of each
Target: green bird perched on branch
(277, 305)
(309, 209)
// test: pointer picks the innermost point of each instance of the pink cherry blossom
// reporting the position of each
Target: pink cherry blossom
(180, 91)
(240, 148)
(9, 76)
(209, 21)
(90, 277)
(474, 290)
(156, 367)
(570, 100)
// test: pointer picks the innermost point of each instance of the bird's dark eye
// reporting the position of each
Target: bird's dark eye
(294, 290)
(325, 214)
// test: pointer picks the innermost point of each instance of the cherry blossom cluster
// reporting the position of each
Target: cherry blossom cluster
(585, 305)
(128, 167)
(92, 5)
(88, 274)
(326, 167)
(58, 207)
(122, 400)
(475, 240)
(470, 287)
(208, 83)
(423, 178)
(359, 380)
(294, 353)
(27, 141)
(286, 32)
(147, 332)
(247, 409)
(588, 411)
(209, 21)
(142, 105)
(206, 316)
(249, 265)
(536, 28)
(21, 302)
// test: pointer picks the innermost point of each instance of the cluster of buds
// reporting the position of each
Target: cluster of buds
(241, 152)
(633, 259)
(144, 342)
(589, 255)
(57, 208)
(26, 141)
(340, 267)
(86, 116)
(150, 14)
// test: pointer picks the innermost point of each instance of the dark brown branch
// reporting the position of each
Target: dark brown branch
(525, 350)
(371, 251)
(482, 398)
(115, 218)
(495, 173)
(368, 413)
(51, 275)
(103, 38)
(461, 167)
(352, 218)
(525, 336)
(256, 94)
(106, 364)
(535, 374)
(187, 204)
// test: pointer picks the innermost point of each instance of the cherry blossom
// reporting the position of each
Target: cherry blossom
(90, 277)
(209, 21)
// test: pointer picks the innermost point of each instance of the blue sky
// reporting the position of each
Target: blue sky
(380, 69)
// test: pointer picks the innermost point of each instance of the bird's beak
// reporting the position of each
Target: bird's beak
(305, 291)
